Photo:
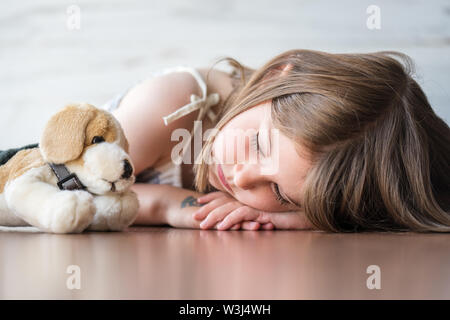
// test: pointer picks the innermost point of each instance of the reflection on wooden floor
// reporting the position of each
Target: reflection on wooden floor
(166, 263)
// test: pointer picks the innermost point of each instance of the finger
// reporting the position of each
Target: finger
(237, 226)
(209, 196)
(267, 226)
(289, 220)
(250, 225)
(218, 214)
(240, 214)
(203, 211)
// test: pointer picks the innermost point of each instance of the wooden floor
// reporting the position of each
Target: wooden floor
(166, 263)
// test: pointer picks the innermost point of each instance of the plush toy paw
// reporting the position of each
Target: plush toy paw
(106, 208)
(130, 206)
(114, 212)
(70, 211)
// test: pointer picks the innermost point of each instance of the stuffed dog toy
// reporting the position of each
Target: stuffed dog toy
(77, 178)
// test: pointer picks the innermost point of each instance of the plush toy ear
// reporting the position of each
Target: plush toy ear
(65, 132)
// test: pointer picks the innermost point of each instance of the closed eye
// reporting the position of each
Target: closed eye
(278, 196)
(254, 144)
(276, 191)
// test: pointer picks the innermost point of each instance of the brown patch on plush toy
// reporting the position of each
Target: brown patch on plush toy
(72, 129)
(123, 142)
(22, 161)
(64, 135)
(100, 126)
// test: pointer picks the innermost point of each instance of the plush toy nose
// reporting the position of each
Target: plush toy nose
(127, 169)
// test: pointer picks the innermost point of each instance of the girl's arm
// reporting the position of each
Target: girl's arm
(166, 205)
(173, 206)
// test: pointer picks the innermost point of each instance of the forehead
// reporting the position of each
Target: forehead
(250, 117)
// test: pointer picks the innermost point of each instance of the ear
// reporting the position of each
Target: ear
(64, 134)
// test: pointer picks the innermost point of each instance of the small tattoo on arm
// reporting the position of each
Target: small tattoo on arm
(190, 202)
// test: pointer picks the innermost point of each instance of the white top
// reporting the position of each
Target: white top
(170, 173)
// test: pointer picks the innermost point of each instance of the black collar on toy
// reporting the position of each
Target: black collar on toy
(66, 180)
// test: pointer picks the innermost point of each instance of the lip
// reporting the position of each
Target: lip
(222, 178)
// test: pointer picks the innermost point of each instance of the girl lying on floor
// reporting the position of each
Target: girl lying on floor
(311, 140)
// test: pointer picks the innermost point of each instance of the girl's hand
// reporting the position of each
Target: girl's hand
(224, 212)
(218, 205)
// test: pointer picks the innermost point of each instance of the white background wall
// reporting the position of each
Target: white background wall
(43, 65)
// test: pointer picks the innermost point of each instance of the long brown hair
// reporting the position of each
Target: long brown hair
(381, 156)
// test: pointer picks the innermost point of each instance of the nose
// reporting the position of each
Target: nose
(247, 175)
(127, 169)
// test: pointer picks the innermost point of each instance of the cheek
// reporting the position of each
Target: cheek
(232, 146)
(220, 146)
(262, 199)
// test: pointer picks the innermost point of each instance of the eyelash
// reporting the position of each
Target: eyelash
(255, 146)
(254, 142)
(280, 199)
